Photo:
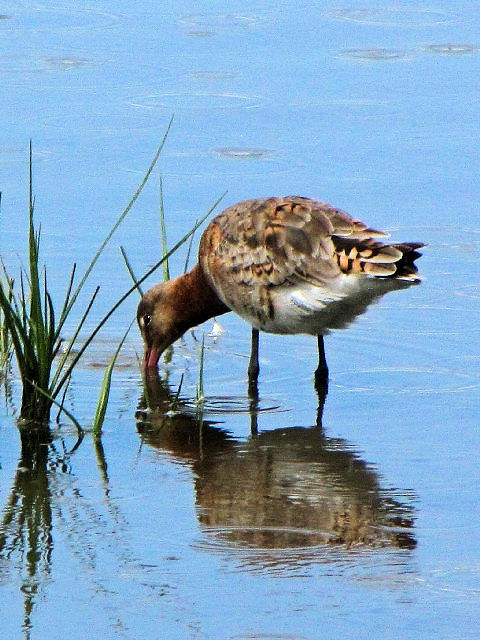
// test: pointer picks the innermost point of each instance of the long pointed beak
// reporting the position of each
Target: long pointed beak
(152, 356)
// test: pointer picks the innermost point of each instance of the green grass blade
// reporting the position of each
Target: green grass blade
(189, 250)
(62, 401)
(22, 301)
(20, 340)
(130, 271)
(63, 313)
(177, 395)
(105, 389)
(36, 313)
(50, 322)
(49, 332)
(200, 389)
(5, 345)
(38, 337)
(163, 229)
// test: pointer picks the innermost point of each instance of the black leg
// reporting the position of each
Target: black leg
(254, 367)
(321, 374)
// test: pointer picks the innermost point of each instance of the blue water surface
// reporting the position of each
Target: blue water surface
(280, 523)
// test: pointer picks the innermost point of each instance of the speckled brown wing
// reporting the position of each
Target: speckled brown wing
(255, 245)
(272, 241)
(278, 262)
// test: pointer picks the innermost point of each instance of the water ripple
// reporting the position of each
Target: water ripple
(451, 49)
(469, 291)
(407, 380)
(204, 75)
(242, 152)
(267, 636)
(284, 539)
(292, 552)
(382, 55)
(104, 123)
(66, 62)
(215, 405)
(218, 21)
(58, 18)
(227, 161)
(395, 16)
(197, 101)
(10, 155)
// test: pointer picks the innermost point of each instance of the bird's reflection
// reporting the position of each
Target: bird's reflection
(280, 489)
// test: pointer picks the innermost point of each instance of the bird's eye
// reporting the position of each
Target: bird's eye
(146, 320)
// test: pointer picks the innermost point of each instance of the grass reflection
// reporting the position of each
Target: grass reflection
(45, 513)
(26, 537)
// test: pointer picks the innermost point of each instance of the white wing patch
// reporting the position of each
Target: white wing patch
(304, 308)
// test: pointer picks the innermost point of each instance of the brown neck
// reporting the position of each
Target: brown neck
(196, 300)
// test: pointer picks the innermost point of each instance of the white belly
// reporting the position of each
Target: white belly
(304, 308)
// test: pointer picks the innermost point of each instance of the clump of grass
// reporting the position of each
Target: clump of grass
(33, 327)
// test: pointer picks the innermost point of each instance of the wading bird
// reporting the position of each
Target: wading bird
(285, 265)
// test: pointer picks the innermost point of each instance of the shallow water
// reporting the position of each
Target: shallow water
(356, 513)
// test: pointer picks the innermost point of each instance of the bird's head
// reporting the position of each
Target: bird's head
(158, 322)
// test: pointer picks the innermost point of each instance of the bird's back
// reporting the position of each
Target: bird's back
(296, 265)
